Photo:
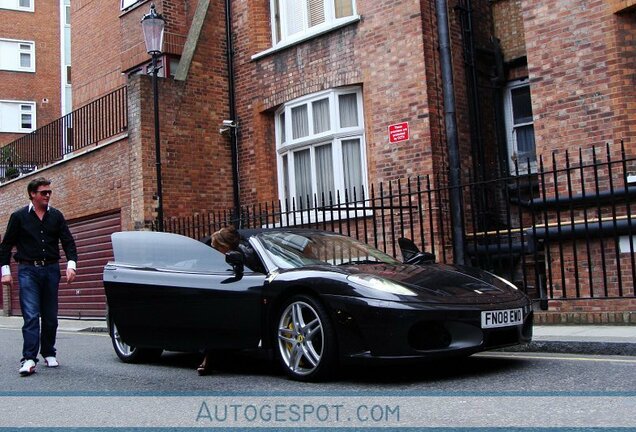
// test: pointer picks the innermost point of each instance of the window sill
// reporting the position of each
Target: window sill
(18, 9)
(284, 45)
(304, 217)
(18, 70)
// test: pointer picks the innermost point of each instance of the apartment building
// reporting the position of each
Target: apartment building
(35, 65)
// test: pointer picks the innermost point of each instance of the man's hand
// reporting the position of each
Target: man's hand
(7, 280)
(70, 275)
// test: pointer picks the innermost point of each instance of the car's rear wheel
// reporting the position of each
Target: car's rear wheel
(128, 353)
(306, 340)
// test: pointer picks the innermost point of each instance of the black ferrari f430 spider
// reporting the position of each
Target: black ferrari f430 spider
(312, 298)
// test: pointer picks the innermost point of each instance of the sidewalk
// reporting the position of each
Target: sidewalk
(574, 339)
(69, 325)
(582, 339)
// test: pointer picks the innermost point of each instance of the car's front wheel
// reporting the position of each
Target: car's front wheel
(306, 340)
(128, 353)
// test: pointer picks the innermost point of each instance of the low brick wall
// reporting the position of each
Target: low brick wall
(585, 318)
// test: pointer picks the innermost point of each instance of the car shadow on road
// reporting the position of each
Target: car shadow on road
(230, 362)
(250, 363)
(431, 370)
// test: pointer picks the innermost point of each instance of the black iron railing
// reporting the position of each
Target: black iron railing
(89, 125)
(562, 232)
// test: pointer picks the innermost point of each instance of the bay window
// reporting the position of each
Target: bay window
(321, 148)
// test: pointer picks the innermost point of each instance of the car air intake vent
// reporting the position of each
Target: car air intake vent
(429, 335)
(501, 337)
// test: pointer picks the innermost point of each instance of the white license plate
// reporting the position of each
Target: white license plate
(501, 318)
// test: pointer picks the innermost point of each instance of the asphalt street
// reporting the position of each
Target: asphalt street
(89, 364)
(93, 389)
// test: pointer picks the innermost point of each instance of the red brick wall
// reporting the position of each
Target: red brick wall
(45, 82)
(95, 49)
(391, 53)
(581, 66)
(578, 270)
(580, 61)
(508, 23)
(92, 183)
(622, 5)
(196, 164)
(178, 16)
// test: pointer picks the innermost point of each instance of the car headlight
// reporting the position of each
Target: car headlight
(380, 284)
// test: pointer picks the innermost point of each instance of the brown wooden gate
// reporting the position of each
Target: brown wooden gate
(84, 298)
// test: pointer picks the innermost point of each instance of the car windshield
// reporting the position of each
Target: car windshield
(301, 249)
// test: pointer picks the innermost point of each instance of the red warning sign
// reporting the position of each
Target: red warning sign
(398, 132)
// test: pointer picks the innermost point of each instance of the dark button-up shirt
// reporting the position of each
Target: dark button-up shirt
(37, 239)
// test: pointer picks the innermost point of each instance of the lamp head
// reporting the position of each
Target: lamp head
(153, 26)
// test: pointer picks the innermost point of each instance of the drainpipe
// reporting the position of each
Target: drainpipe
(450, 120)
(236, 219)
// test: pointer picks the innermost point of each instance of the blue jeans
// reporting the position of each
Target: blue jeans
(38, 298)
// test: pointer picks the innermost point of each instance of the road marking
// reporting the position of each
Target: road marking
(542, 357)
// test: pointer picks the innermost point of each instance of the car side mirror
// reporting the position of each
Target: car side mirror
(411, 254)
(236, 260)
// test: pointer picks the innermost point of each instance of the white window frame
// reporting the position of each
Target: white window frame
(125, 4)
(308, 32)
(15, 67)
(334, 136)
(15, 5)
(511, 136)
(19, 128)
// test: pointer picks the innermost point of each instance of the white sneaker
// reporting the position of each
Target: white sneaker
(51, 361)
(27, 367)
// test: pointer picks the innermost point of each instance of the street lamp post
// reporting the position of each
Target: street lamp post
(153, 26)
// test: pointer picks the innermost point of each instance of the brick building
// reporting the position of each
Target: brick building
(34, 67)
(317, 85)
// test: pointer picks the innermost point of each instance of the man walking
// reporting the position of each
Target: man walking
(36, 230)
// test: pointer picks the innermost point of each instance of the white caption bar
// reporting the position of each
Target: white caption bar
(317, 411)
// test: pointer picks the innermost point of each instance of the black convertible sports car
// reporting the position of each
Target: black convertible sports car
(314, 298)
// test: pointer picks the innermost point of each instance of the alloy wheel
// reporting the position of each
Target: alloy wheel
(301, 338)
(125, 349)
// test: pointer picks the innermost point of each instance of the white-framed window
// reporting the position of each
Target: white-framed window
(124, 4)
(20, 5)
(321, 148)
(520, 126)
(299, 19)
(16, 55)
(17, 116)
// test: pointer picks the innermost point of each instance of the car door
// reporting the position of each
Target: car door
(176, 293)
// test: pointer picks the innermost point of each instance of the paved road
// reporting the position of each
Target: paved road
(89, 364)
(92, 388)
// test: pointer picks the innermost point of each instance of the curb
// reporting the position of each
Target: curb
(94, 330)
(577, 347)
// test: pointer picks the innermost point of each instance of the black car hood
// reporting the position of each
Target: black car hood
(441, 283)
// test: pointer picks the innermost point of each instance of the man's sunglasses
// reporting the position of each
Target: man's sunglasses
(45, 192)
